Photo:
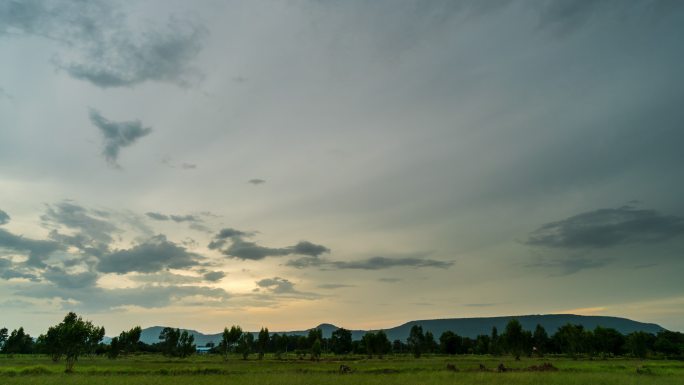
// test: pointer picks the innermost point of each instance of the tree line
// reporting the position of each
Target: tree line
(74, 337)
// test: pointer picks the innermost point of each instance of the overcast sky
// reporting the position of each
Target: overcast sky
(365, 163)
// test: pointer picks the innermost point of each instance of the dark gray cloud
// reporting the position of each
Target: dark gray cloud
(37, 250)
(282, 287)
(96, 298)
(249, 250)
(373, 263)
(305, 262)
(333, 286)
(175, 218)
(256, 181)
(241, 249)
(117, 134)
(94, 227)
(151, 256)
(608, 227)
(564, 16)
(479, 304)
(9, 270)
(569, 265)
(214, 276)
(157, 216)
(63, 279)
(101, 45)
(310, 249)
(277, 285)
(378, 263)
(184, 218)
(4, 217)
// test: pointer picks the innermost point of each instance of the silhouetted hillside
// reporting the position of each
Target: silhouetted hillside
(468, 327)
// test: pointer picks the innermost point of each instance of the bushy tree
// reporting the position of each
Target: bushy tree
(3, 337)
(245, 344)
(639, 343)
(450, 343)
(18, 342)
(316, 350)
(515, 338)
(127, 342)
(186, 344)
(228, 339)
(416, 341)
(540, 340)
(72, 338)
(341, 341)
(607, 341)
(669, 343)
(176, 343)
(262, 342)
(570, 339)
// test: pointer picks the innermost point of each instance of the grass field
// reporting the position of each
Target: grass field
(200, 370)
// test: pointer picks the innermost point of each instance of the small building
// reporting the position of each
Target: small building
(203, 349)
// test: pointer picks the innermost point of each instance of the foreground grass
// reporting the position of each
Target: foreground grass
(155, 369)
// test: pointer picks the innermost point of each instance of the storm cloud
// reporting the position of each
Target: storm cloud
(604, 228)
(4, 218)
(153, 255)
(378, 263)
(92, 226)
(98, 44)
(117, 135)
(246, 250)
(37, 250)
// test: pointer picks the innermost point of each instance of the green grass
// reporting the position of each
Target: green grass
(199, 370)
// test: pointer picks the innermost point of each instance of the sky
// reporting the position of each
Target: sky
(362, 163)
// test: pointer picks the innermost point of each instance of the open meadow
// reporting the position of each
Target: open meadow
(400, 369)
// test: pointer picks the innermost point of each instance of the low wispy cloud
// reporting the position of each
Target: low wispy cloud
(373, 263)
(608, 227)
(256, 181)
(332, 286)
(282, 287)
(175, 218)
(96, 298)
(562, 266)
(378, 263)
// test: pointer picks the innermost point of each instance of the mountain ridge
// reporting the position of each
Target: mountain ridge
(467, 327)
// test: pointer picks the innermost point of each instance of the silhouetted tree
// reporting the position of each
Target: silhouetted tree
(514, 338)
(416, 340)
(607, 341)
(18, 342)
(450, 343)
(228, 339)
(245, 344)
(3, 337)
(540, 340)
(570, 339)
(72, 338)
(262, 342)
(341, 341)
(638, 343)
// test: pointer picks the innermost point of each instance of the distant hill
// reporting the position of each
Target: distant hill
(468, 327)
